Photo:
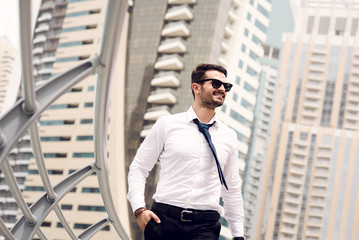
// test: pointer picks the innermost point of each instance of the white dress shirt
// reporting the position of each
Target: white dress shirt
(188, 176)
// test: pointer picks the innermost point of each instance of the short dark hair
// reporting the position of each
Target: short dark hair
(201, 69)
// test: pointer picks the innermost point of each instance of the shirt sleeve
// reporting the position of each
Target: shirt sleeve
(145, 158)
(232, 198)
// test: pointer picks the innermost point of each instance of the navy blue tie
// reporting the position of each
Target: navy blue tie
(203, 128)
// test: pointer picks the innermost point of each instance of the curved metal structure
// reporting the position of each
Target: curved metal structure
(25, 113)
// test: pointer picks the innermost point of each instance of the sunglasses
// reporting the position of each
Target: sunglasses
(217, 84)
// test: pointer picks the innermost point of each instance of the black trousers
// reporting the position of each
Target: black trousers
(173, 228)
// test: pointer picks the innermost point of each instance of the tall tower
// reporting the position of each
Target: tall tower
(281, 20)
(315, 157)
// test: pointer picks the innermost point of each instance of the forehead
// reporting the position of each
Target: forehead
(215, 74)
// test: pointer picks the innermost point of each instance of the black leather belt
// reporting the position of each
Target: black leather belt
(186, 215)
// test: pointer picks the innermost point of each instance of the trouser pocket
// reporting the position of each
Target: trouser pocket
(152, 230)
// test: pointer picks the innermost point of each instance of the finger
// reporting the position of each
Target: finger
(155, 217)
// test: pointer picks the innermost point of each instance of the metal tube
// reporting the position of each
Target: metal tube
(64, 223)
(40, 234)
(116, 11)
(26, 55)
(16, 193)
(36, 147)
(5, 232)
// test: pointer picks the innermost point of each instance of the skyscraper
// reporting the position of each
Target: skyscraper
(281, 20)
(313, 185)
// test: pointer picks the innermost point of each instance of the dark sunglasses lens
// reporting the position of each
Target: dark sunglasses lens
(227, 86)
(216, 83)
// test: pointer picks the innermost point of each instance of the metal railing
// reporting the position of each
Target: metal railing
(24, 114)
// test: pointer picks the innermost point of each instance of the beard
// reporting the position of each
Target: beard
(209, 100)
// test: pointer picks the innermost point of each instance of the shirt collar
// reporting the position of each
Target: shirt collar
(191, 114)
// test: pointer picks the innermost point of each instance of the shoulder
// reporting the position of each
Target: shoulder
(172, 118)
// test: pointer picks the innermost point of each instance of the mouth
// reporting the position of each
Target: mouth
(219, 94)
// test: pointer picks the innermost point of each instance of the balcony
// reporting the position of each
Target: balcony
(47, 6)
(162, 96)
(228, 32)
(38, 50)
(225, 47)
(176, 45)
(40, 39)
(45, 71)
(176, 29)
(42, 28)
(232, 16)
(36, 61)
(45, 17)
(166, 79)
(48, 59)
(178, 2)
(154, 113)
(179, 13)
(169, 62)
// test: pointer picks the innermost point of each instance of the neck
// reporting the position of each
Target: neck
(204, 114)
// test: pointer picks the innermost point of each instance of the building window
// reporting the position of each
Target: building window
(46, 224)
(79, 28)
(86, 121)
(83, 155)
(249, 17)
(59, 225)
(233, 114)
(54, 172)
(63, 106)
(240, 64)
(82, 13)
(248, 87)
(238, 80)
(84, 138)
(244, 48)
(253, 55)
(255, 39)
(91, 208)
(33, 171)
(251, 71)
(90, 190)
(88, 104)
(55, 139)
(56, 122)
(235, 97)
(246, 32)
(34, 188)
(340, 23)
(324, 25)
(55, 155)
(260, 26)
(262, 10)
(245, 103)
(66, 207)
(81, 225)
(91, 88)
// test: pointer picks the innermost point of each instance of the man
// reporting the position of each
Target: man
(197, 167)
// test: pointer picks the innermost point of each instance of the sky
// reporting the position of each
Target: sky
(9, 19)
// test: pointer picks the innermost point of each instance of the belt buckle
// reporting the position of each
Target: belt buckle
(185, 220)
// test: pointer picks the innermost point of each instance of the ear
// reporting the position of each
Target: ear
(196, 88)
